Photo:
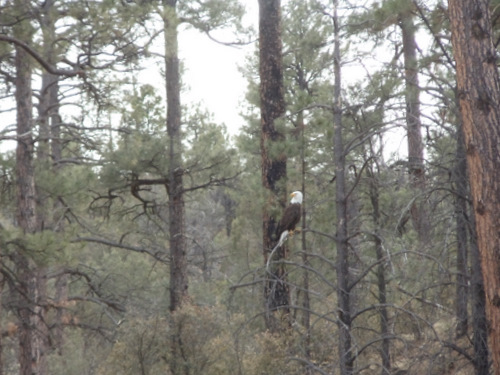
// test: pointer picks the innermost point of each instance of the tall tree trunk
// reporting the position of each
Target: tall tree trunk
(467, 239)
(478, 87)
(178, 261)
(459, 177)
(51, 212)
(381, 279)
(32, 330)
(306, 301)
(48, 107)
(479, 322)
(175, 188)
(343, 289)
(25, 176)
(272, 107)
(414, 126)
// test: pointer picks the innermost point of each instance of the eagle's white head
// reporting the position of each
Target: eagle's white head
(296, 197)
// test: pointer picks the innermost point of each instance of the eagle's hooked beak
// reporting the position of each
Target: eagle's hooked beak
(292, 195)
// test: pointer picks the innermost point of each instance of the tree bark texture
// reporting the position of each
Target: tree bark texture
(469, 283)
(479, 322)
(272, 106)
(478, 89)
(51, 211)
(346, 358)
(29, 294)
(384, 351)
(49, 147)
(26, 193)
(460, 182)
(175, 188)
(48, 94)
(306, 298)
(414, 126)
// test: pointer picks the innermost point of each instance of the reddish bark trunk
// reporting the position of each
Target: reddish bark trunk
(478, 88)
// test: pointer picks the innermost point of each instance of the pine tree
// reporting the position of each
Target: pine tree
(273, 160)
(478, 85)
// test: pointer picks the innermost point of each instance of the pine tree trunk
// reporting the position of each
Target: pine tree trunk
(175, 189)
(51, 212)
(306, 299)
(469, 285)
(479, 322)
(343, 289)
(32, 329)
(478, 88)
(459, 177)
(414, 126)
(385, 353)
(272, 108)
(178, 261)
(25, 177)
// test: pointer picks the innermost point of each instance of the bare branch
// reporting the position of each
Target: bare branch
(212, 182)
(48, 67)
(158, 255)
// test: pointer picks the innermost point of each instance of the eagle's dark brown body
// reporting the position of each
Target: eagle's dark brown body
(290, 218)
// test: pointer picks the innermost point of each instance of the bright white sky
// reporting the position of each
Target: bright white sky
(211, 72)
(211, 77)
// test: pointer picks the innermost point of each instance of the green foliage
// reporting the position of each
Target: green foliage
(209, 153)
(204, 333)
(210, 15)
(141, 147)
(138, 349)
(381, 15)
(78, 356)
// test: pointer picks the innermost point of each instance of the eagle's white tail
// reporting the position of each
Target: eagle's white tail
(283, 237)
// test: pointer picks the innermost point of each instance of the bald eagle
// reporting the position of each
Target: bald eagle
(290, 218)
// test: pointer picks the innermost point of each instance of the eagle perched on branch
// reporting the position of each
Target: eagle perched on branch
(291, 217)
